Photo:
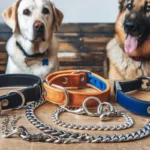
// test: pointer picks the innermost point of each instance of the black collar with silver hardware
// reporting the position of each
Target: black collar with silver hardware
(31, 91)
(134, 105)
(30, 56)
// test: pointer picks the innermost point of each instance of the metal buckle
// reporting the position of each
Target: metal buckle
(46, 81)
(81, 71)
(22, 96)
(66, 94)
(147, 89)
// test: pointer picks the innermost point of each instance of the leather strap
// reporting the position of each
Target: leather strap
(139, 107)
(31, 92)
(77, 80)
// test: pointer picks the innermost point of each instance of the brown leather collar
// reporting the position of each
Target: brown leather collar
(74, 85)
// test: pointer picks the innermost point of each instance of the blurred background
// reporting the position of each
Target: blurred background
(83, 11)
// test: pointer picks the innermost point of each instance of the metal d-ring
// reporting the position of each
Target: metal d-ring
(22, 97)
(109, 106)
(85, 107)
(66, 94)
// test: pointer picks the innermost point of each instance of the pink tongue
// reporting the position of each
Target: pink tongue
(131, 44)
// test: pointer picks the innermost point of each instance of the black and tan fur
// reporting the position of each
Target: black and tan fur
(123, 65)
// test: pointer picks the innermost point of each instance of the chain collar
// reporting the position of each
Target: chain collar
(53, 135)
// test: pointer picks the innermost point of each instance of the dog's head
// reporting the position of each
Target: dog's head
(133, 27)
(33, 19)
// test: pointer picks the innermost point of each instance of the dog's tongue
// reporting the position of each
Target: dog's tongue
(131, 44)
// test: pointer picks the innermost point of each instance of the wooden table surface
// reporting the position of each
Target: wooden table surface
(44, 114)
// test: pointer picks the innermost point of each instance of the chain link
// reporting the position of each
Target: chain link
(129, 121)
(54, 135)
(9, 130)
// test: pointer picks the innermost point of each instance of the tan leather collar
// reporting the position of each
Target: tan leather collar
(77, 86)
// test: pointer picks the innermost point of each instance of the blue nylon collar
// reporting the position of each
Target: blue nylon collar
(139, 107)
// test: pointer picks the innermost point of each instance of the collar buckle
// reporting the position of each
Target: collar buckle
(145, 84)
(5, 102)
(81, 71)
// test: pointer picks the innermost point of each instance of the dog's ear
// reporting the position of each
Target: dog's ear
(58, 17)
(10, 16)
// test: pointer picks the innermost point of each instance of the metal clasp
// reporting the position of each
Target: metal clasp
(147, 84)
(19, 107)
(81, 71)
(22, 97)
(104, 110)
(84, 110)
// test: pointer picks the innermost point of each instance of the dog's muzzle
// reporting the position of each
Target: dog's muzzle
(39, 30)
(131, 27)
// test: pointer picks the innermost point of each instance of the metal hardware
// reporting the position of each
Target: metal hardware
(65, 92)
(110, 108)
(6, 132)
(22, 97)
(83, 110)
(82, 79)
(85, 107)
(55, 118)
(117, 85)
(46, 81)
(5, 103)
(104, 114)
(81, 71)
(44, 92)
(147, 89)
(56, 136)
(64, 80)
(148, 110)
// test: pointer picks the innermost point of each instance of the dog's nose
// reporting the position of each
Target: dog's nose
(130, 26)
(38, 26)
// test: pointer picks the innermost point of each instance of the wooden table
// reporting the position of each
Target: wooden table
(44, 113)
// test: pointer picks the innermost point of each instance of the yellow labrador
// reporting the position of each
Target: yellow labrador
(32, 48)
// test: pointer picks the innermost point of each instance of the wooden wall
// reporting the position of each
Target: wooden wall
(81, 46)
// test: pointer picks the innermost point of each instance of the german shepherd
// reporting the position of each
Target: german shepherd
(129, 50)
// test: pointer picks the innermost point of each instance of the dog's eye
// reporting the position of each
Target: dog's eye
(26, 12)
(129, 6)
(45, 11)
(148, 8)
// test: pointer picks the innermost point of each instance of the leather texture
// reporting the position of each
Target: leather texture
(31, 92)
(139, 107)
(79, 82)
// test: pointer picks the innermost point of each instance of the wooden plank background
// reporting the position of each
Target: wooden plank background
(81, 46)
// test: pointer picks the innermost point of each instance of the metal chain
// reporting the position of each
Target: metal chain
(116, 113)
(5, 123)
(56, 136)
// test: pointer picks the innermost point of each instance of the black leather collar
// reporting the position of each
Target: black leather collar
(30, 56)
(17, 99)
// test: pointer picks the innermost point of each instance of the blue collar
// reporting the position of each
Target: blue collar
(139, 107)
